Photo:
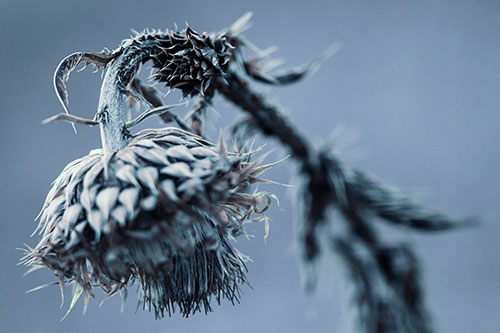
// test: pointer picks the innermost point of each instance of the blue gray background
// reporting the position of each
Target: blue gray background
(418, 81)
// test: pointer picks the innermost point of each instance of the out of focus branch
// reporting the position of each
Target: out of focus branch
(388, 295)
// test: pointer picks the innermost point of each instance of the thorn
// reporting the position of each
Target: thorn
(61, 286)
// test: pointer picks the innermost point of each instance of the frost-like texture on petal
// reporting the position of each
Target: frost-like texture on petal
(160, 211)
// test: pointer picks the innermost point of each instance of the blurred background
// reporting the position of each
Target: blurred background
(416, 81)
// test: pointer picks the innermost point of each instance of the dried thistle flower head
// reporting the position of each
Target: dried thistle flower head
(161, 211)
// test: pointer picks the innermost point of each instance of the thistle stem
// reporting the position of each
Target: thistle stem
(110, 113)
(112, 101)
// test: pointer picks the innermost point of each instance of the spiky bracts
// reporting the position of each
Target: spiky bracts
(160, 211)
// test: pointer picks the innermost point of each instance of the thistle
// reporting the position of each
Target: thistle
(159, 207)
(161, 211)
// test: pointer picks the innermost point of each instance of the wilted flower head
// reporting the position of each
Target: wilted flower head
(161, 211)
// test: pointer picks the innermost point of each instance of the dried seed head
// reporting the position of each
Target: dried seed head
(160, 211)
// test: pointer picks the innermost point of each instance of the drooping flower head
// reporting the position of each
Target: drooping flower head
(161, 211)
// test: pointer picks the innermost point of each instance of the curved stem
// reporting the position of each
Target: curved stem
(110, 113)
(112, 101)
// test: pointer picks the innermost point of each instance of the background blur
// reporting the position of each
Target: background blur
(418, 81)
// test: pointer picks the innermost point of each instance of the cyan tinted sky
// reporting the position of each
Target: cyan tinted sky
(417, 80)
